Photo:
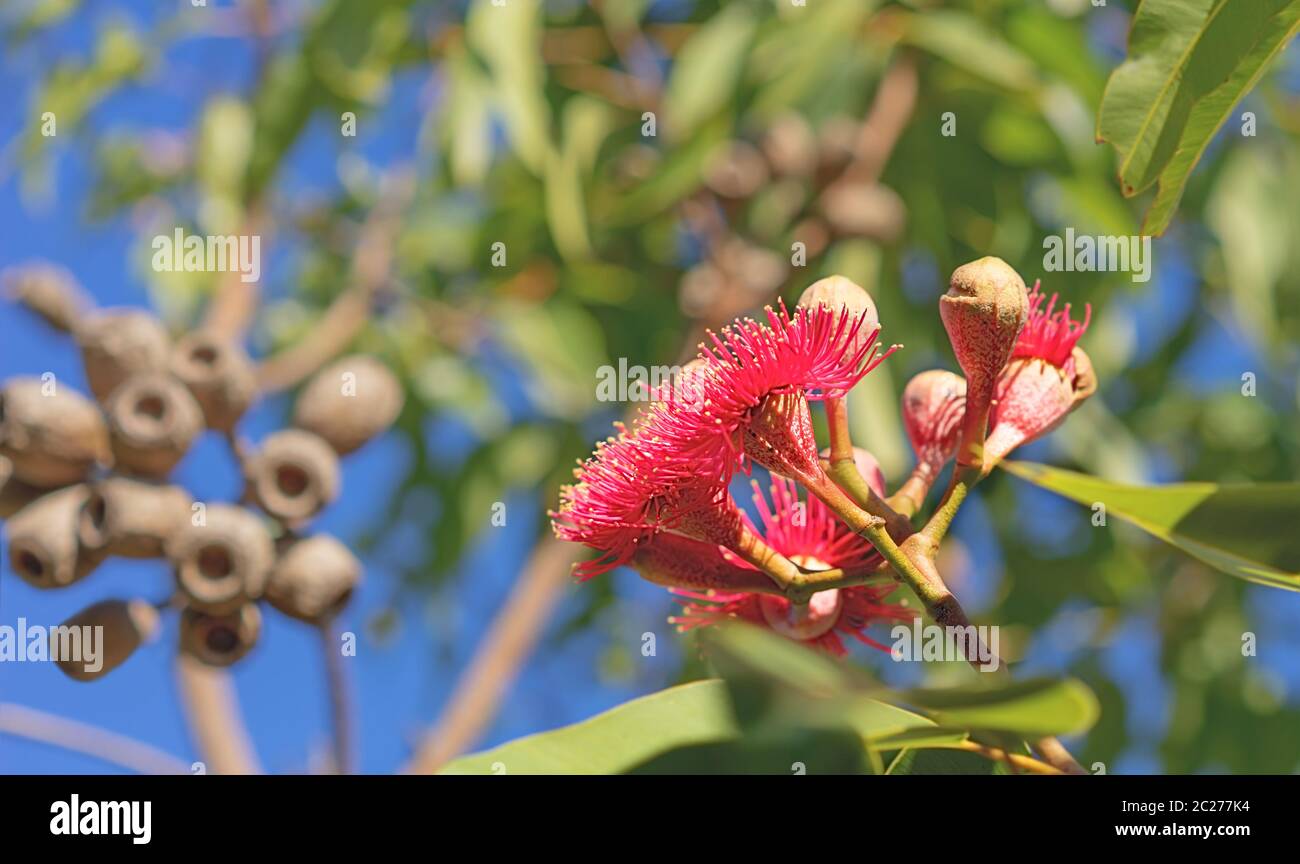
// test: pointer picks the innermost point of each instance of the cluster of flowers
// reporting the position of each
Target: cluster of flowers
(656, 496)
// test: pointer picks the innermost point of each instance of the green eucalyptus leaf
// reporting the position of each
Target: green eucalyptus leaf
(1245, 530)
(1189, 62)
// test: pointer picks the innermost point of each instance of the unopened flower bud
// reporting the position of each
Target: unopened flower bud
(349, 402)
(294, 475)
(223, 561)
(52, 434)
(132, 518)
(125, 625)
(984, 311)
(116, 344)
(849, 301)
(152, 421)
(933, 405)
(220, 639)
(42, 539)
(219, 374)
(313, 578)
(674, 561)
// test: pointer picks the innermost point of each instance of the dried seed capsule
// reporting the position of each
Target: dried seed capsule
(294, 475)
(313, 578)
(224, 561)
(49, 291)
(735, 169)
(126, 624)
(349, 402)
(132, 518)
(220, 640)
(14, 493)
(152, 421)
(118, 343)
(52, 434)
(218, 373)
(790, 146)
(43, 547)
(864, 210)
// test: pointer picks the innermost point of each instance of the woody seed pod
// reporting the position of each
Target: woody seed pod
(294, 475)
(53, 435)
(222, 562)
(152, 421)
(14, 493)
(132, 518)
(349, 402)
(43, 547)
(313, 578)
(117, 344)
(218, 373)
(864, 210)
(735, 170)
(126, 625)
(49, 291)
(220, 640)
(790, 146)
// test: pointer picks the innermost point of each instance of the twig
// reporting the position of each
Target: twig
(213, 711)
(348, 314)
(340, 699)
(507, 643)
(42, 727)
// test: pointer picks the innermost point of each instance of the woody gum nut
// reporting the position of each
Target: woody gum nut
(152, 420)
(14, 493)
(49, 291)
(117, 344)
(52, 434)
(349, 402)
(42, 539)
(790, 146)
(841, 294)
(132, 518)
(219, 374)
(220, 639)
(294, 475)
(984, 311)
(313, 579)
(126, 625)
(224, 560)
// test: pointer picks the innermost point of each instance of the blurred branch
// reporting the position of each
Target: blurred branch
(348, 314)
(504, 648)
(885, 122)
(212, 708)
(340, 699)
(33, 725)
(235, 301)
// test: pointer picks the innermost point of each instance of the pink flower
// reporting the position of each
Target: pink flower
(1048, 376)
(751, 398)
(810, 535)
(634, 487)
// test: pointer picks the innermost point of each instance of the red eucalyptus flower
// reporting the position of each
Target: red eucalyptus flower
(1047, 377)
(810, 535)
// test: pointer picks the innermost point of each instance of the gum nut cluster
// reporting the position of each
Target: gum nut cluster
(84, 479)
(655, 495)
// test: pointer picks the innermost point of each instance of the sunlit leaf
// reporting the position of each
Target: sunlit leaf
(1246, 530)
(1189, 62)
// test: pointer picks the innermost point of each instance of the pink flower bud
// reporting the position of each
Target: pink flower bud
(1048, 377)
(933, 405)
